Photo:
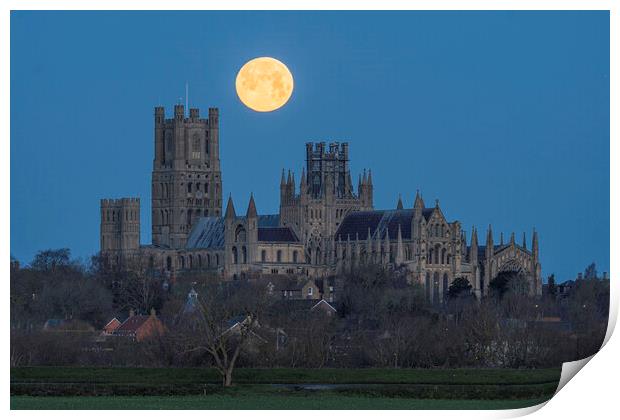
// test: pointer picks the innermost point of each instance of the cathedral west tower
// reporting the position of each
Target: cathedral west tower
(186, 179)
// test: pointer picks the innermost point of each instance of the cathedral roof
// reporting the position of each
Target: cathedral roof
(356, 224)
(208, 232)
(276, 234)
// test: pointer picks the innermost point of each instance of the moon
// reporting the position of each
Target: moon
(264, 84)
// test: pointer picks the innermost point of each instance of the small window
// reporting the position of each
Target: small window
(309, 291)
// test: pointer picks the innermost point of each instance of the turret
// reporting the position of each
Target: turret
(473, 249)
(252, 233)
(489, 244)
(535, 245)
(251, 213)
(303, 185)
(230, 210)
(400, 257)
(524, 242)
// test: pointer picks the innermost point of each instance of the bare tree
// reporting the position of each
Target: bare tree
(228, 325)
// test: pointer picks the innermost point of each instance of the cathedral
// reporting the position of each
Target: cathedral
(325, 227)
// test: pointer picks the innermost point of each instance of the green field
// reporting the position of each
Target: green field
(259, 402)
(199, 388)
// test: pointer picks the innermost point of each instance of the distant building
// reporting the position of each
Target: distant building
(140, 327)
(325, 227)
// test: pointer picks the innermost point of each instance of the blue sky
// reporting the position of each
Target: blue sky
(502, 116)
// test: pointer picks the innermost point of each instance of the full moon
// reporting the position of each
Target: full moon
(264, 84)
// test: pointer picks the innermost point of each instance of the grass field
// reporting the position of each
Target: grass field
(258, 402)
(172, 388)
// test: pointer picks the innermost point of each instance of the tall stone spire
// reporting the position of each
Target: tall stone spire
(303, 186)
(230, 209)
(283, 179)
(512, 239)
(524, 242)
(251, 207)
(418, 203)
(399, 205)
(400, 257)
(535, 245)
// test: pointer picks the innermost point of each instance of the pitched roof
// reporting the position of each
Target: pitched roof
(208, 232)
(132, 324)
(276, 234)
(356, 224)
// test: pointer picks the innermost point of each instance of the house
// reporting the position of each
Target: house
(111, 326)
(141, 327)
(325, 307)
(302, 289)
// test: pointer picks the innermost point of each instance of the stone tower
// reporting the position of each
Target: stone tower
(186, 179)
(326, 196)
(120, 226)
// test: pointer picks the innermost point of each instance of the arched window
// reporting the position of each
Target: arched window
(189, 187)
(448, 259)
(234, 255)
(445, 284)
(208, 260)
(263, 255)
(169, 264)
(199, 260)
(217, 260)
(279, 255)
(197, 186)
(182, 262)
(108, 215)
(196, 146)
(318, 255)
(189, 217)
(294, 256)
(191, 261)
(244, 254)
(240, 235)
(430, 256)
(443, 255)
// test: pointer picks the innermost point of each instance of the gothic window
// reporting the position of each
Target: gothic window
(445, 284)
(263, 255)
(294, 256)
(430, 256)
(169, 263)
(191, 261)
(279, 256)
(217, 260)
(240, 235)
(199, 261)
(189, 217)
(234, 254)
(196, 147)
(189, 187)
(197, 186)
(244, 255)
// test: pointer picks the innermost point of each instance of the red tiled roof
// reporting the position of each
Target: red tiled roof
(132, 324)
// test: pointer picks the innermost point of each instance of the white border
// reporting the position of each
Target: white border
(592, 395)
